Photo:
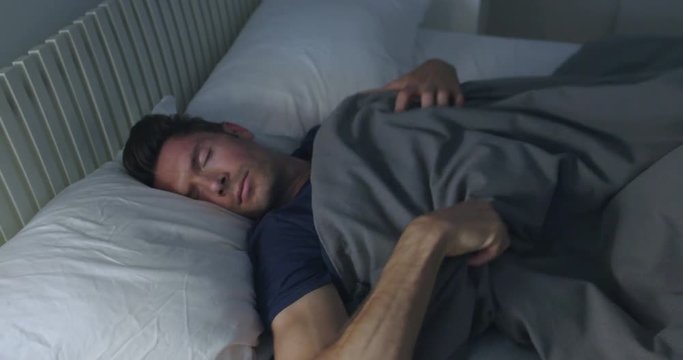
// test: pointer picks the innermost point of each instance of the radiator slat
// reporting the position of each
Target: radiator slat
(31, 115)
(180, 62)
(106, 100)
(243, 11)
(221, 35)
(14, 192)
(229, 13)
(226, 25)
(210, 31)
(130, 64)
(235, 15)
(153, 47)
(58, 128)
(20, 164)
(202, 63)
(81, 73)
(121, 85)
(141, 52)
(27, 137)
(64, 100)
(184, 30)
(165, 45)
(203, 36)
(10, 223)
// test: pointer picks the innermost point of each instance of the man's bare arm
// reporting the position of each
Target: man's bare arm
(387, 324)
(308, 325)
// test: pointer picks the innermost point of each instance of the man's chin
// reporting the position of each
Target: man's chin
(256, 215)
(253, 213)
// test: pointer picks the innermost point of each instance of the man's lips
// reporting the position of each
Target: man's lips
(243, 189)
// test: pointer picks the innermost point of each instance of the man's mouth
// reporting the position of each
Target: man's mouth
(243, 189)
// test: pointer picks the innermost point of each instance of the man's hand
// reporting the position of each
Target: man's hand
(470, 226)
(435, 82)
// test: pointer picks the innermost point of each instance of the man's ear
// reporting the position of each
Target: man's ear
(237, 131)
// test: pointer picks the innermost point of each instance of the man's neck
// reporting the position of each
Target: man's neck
(297, 173)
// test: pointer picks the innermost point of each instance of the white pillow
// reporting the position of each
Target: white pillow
(295, 60)
(112, 269)
(166, 106)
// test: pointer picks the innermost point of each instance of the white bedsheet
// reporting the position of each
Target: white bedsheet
(486, 57)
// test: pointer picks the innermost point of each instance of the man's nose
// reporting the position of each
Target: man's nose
(216, 184)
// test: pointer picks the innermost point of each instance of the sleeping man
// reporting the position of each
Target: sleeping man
(298, 293)
(358, 249)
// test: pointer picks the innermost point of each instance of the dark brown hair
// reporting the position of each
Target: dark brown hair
(146, 138)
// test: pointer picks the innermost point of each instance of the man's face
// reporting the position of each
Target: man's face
(230, 171)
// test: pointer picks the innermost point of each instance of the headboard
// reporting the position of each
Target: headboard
(67, 106)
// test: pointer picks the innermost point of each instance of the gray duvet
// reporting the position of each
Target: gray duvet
(586, 169)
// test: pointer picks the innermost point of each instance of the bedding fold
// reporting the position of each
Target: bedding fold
(557, 156)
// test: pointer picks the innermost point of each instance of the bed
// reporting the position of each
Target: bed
(97, 266)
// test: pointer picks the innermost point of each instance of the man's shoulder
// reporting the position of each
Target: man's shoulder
(292, 222)
(286, 254)
(299, 208)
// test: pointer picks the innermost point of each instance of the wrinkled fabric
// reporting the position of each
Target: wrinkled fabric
(567, 161)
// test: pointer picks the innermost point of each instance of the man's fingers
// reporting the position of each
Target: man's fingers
(402, 99)
(427, 98)
(491, 252)
(443, 98)
(482, 257)
(394, 85)
(459, 99)
(505, 244)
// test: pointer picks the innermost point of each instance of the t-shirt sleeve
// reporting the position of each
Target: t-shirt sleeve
(287, 265)
(305, 150)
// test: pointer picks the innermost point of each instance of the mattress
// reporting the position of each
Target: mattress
(485, 57)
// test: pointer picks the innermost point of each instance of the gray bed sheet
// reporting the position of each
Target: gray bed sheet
(571, 162)
(494, 345)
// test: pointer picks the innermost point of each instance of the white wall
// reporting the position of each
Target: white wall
(583, 20)
(651, 17)
(565, 20)
(457, 15)
(27, 23)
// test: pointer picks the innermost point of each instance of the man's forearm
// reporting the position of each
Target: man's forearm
(387, 325)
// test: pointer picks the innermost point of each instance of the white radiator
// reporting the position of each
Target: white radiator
(67, 107)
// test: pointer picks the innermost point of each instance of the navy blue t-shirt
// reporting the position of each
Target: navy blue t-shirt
(285, 250)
